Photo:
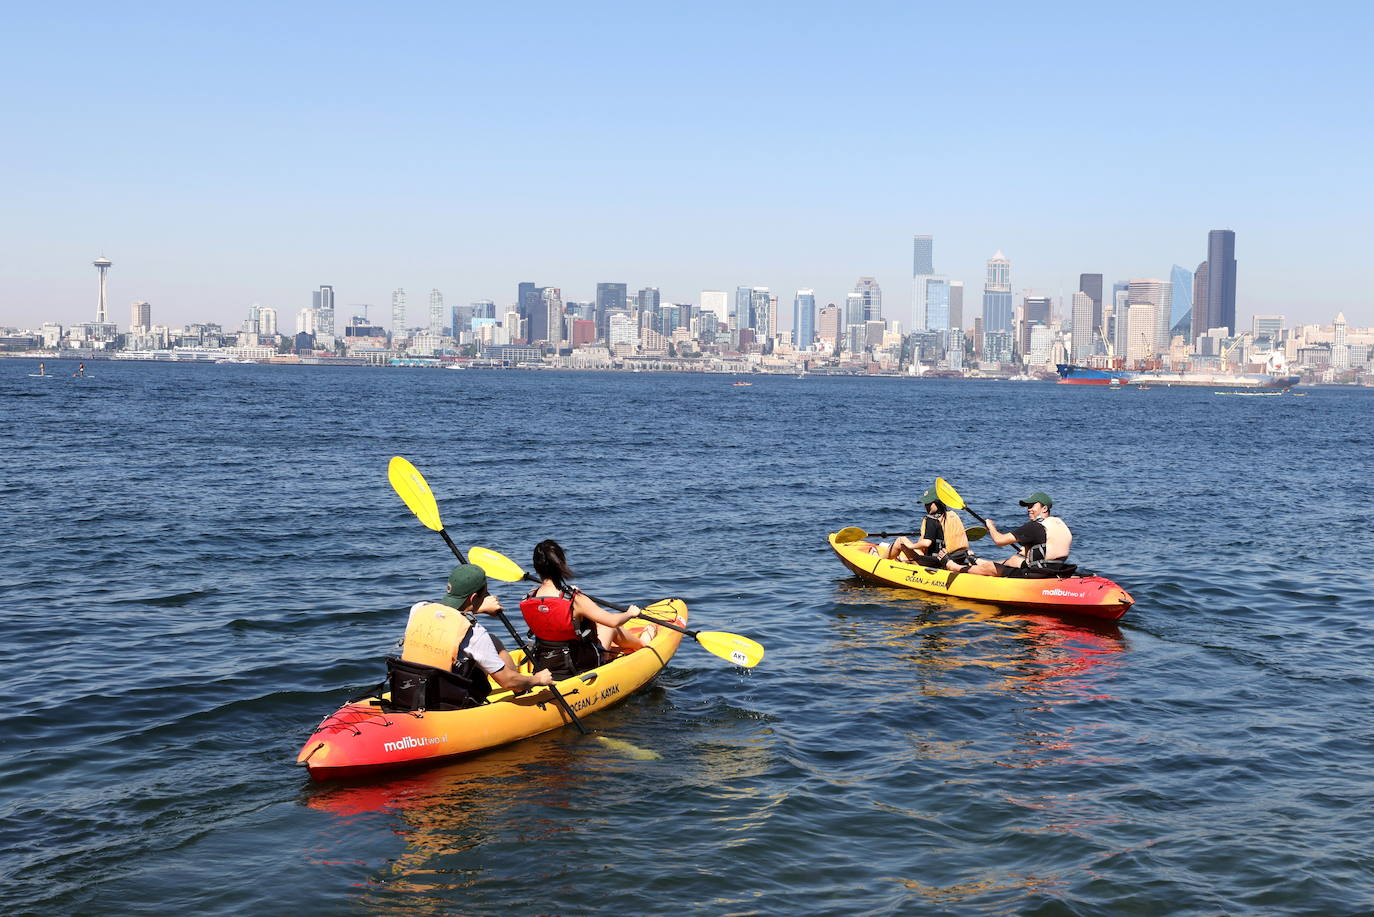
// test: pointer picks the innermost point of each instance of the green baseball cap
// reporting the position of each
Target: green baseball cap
(464, 582)
(930, 496)
(1038, 497)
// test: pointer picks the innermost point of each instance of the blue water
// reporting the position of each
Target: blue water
(200, 562)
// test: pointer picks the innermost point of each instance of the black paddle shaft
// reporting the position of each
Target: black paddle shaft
(562, 702)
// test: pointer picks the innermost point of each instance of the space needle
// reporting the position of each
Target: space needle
(102, 264)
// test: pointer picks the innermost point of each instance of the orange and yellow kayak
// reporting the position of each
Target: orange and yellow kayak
(1093, 596)
(361, 737)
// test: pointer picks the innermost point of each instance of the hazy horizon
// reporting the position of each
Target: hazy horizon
(249, 154)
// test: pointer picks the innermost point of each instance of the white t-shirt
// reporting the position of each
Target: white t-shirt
(479, 645)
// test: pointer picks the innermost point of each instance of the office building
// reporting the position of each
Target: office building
(936, 307)
(716, 303)
(437, 327)
(1267, 327)
(322, 301)
(828, 324)
(854, 310)
(1181, 303)
(956, 305)
(267, 321)
(610, 297)
(922, 268)
(1221, 280)
(1091, 286)
(398, 316)
(803, 319)
(1158, 294)
(1142, 330)
(1034, 310)
(140, 317)
(1199, 323)
(1084, 331)
(997, 295)
(872, 298)
(529, 302)
(552, 313)
(760, 301)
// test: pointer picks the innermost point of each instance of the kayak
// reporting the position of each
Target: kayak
(1093, 596)
(361, 737)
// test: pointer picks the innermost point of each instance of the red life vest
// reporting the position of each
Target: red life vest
(550, 617)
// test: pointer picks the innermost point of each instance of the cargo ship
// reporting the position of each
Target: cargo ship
(1083, 375)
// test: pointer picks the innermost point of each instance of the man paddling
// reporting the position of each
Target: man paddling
(467, 592)
(1043, 542)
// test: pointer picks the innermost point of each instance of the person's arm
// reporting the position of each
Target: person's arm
(515, 681)
(497, 664)
(998, 537)
(584, 607)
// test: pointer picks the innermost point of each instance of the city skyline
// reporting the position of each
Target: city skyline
(214, 184)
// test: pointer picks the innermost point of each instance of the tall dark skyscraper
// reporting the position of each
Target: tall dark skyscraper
(533, 313)
(1092, 285)
(610, 297)
(922, 255)
(1221, 280)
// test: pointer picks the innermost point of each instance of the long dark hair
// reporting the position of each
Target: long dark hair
(551, 563)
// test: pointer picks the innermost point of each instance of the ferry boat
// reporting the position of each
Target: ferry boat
(1083, 375)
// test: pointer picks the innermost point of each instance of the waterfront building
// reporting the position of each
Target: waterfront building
(398, 316)
(997, 295)
(436, 314)
(322, 301)
(140, 317)
(1084, 330)
(804, 319)
(1221, 279)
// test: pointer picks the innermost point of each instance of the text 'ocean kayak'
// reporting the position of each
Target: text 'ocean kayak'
(1093, 596)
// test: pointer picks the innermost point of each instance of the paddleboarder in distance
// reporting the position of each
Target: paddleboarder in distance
(41, 370)
(1043, 541)
(80, 369)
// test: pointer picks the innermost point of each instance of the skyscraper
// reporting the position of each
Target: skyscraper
(1200, 278)
(1155, 293)
(922, 267)
(553, 317)
(1083, 328)
(828, 324)
(610, 297)
(1035, 310)
(759, 302)
(804, 319)
(997, 295)
(529, 303)
(1221, 280)
(1091, 284)
(436, 313)
(398, 315)
(937, 306)
(1181, 307)
(322, 300)
(956, 306)
(140, 317)
(872, 298)
(267, 321)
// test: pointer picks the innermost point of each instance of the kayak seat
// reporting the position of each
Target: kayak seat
(415, 686)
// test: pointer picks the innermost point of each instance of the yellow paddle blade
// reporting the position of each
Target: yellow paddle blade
(412, 487)
(740, 650)
(976, 532)
(496, 565)
(850, 533)
(947, 494)
(633, 752)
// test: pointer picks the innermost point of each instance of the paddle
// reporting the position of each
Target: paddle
(950, 497)
(740, 650)
(413, 489)
(854, 533)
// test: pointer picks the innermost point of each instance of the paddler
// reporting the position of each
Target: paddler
(571, 632)
(1043, 542)
(467, 592)
(942, 539)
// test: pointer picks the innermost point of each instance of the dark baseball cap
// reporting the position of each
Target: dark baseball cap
(1038, 497)
(464, 582)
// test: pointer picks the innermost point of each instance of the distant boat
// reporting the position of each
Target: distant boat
(741, 383)
(1083, 375)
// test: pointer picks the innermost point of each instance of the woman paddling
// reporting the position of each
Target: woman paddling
(571, 632)
(942, 538)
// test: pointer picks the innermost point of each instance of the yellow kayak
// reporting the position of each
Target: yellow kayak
(1094, 596)
(361, 737)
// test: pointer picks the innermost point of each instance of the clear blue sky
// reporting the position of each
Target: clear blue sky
(238, 153)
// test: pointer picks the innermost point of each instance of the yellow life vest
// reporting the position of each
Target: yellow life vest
(956, 539)
(434, 634)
